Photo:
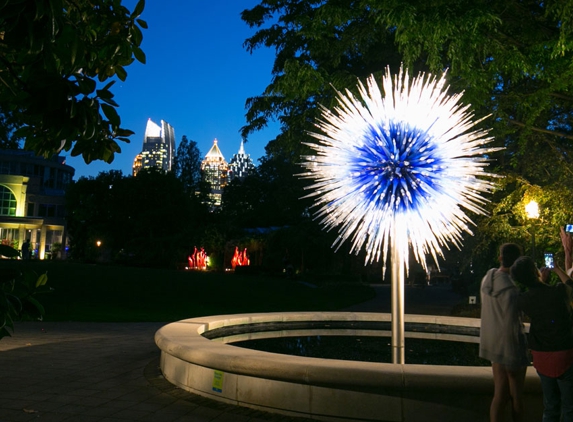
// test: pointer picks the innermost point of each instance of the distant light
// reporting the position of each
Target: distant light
(403, 166)
(98, 243)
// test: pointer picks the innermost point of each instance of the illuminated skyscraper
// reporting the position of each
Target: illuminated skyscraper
(137, 164)
(215, 172)
(240, 165)
(158, 147)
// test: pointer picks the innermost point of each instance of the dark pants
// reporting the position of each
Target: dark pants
(558, 397)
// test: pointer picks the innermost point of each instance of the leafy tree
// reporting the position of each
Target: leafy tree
(187, 165)
(512, 59)
(92, 211)
(270, 196)
(19, 287)
(144, 220)
(8, 140)
(321, 45)
(241, 199)
(55, 56)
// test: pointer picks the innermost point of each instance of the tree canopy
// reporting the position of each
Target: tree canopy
(187, 164)
(511, 58)
(145, 220)
(55, 56)
(269, 196)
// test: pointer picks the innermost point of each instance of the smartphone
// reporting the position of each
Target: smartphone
(549, 260)
(569, 228)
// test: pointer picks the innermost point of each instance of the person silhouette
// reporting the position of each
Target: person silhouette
(26, 249)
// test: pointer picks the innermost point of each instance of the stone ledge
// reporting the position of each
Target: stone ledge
(190, 360)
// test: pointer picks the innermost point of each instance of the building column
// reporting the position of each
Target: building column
(64, 253)
(42, 247)
(21, 235)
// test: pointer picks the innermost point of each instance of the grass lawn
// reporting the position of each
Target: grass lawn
(106, 293)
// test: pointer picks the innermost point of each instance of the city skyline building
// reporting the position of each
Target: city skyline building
(158, 147)
(137, 164)
(241, 164)
(215, 171)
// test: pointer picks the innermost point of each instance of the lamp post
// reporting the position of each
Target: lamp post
(532, 211)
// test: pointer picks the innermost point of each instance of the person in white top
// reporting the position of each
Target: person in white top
(502, 336)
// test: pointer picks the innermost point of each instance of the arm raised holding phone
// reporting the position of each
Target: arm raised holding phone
(567, 242)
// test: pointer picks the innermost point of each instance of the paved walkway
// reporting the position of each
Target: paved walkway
(109, 372)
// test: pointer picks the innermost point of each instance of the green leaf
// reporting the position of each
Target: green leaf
(73, 51)
(4, 332)
(107, 156)
(106, 96)
(8, 251)
(139, 55)
(28, 279)
(114, 147)
(38, 307)
(136, 35)
(104, 93)
(110, 102)
(14, 304)
(111, 114)
(89, 131)
(121, 73)
(142, 23)
(86, 85)
(138, 9)
(124, 132)
(43, 279)
(108, 85)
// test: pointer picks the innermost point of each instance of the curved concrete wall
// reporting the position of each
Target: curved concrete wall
(325, 389)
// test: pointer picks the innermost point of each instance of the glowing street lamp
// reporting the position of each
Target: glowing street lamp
(532, 211)
(397, 171)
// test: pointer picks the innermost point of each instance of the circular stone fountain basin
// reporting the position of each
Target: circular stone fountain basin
(329, 389)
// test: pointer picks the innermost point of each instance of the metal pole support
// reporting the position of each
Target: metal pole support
(397, 306)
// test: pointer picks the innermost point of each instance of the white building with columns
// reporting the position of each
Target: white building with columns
(32, 201)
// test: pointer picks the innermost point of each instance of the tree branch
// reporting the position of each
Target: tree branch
(8, 86)
(561, 96)
(538, 129)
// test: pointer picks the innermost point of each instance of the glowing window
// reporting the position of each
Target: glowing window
(7, 202)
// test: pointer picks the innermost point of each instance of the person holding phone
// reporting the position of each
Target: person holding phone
(549, 262)
(567, 242)
(550, 336)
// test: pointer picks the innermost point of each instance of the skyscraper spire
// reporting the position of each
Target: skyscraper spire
(152, 130)
(215, 172)
(215, 153)
(158, 147)
(241, 164)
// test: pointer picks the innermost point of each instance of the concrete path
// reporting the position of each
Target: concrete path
(109, 372)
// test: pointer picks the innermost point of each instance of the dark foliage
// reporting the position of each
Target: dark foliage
(143, 220)
(54, 58)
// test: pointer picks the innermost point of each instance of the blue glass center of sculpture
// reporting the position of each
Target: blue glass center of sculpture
(395, 165)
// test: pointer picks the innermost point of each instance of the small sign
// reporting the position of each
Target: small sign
(472, 300)
(218, 381)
